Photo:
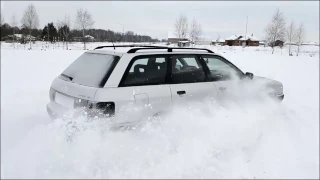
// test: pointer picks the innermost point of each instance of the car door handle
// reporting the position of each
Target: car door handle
(181, 92)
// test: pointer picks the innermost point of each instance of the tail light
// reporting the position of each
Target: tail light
(100, 109)
(105, 108)
(96, 108)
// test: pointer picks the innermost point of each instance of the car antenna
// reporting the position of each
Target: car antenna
(113, 45)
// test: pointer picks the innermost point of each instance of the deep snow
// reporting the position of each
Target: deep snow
(253, 140)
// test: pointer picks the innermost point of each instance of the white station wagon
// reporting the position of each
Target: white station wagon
(109, 81)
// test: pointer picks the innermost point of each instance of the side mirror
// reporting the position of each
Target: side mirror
(249, 75)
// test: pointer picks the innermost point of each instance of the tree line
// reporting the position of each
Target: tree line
(64, 30)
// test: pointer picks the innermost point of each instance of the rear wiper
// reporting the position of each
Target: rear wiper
(68, 77)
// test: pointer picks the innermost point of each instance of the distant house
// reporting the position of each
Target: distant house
(277, 43)
(89, 38)
(288, 43)
(233, 40)
(262, 43)
(310, 44)
(14, 37)
(29, 38)
(183, 43)
(173, 39)
(9, 38)
(77, 39)
(239, 40)
(219, 41)
(203, 40)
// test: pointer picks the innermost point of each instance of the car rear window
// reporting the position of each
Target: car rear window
(91, 69)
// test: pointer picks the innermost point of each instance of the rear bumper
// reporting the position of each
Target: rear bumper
(55, 110)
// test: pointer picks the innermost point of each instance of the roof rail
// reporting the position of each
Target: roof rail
(133, 50)
(137, 47)
(100, 47)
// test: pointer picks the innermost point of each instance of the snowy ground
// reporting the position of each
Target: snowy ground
(255, 140)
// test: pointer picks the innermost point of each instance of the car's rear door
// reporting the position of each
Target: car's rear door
(143, 90)
(189, 80)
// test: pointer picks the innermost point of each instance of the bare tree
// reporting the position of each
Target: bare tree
(13, 25)
(1, 22)
(64, 27)
(300, 36)
(291, 35)
(181, 27)
(30, 20)
(218, 37)
(195, 31)
(83, 22)
(276, 29)
(13, 21)
(2, 19)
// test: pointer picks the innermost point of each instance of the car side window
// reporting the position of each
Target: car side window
(149, 70)
(140, 61)
(187, 69)
(220, 69)
(191, 61)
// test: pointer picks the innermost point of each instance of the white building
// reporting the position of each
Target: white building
(310, 43)
(173, 39)
(30, 38)
(89, 37)
(219, 41)
(203, 40)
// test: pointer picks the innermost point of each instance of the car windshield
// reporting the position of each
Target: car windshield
(90, 69)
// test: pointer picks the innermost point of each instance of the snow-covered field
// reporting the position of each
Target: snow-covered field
(255, 140)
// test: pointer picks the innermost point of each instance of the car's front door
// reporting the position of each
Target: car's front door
(189, 80)
(224, 75)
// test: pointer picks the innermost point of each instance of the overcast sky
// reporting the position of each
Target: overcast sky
(156, 18)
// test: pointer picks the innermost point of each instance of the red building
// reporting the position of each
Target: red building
(238, 40)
